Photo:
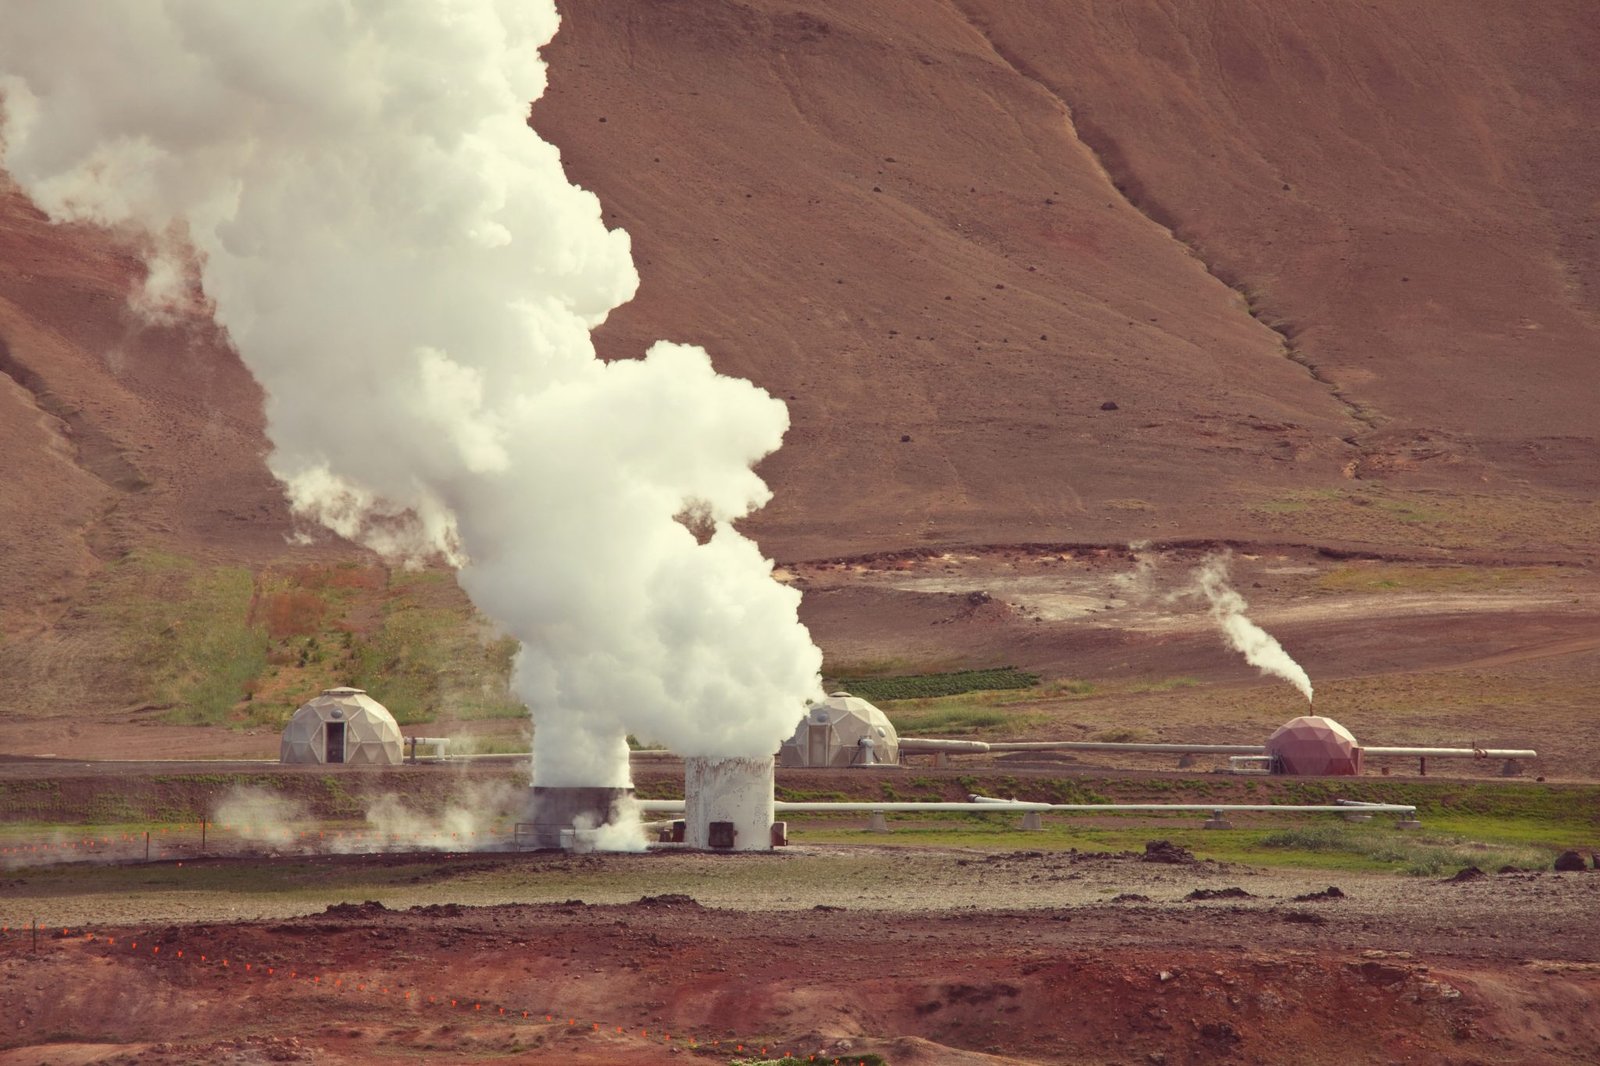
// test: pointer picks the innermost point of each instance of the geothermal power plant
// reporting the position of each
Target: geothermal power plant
(730, 802)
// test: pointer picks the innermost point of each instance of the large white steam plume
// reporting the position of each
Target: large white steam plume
(1256, 645)
(402, 263)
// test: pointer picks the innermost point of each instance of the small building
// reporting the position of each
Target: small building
(343, 725)
(842, 730)
(1314, 746)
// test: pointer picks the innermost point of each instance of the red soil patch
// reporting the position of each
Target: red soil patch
(362, 984)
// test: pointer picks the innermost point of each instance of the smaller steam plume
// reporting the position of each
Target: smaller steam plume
(623, 832)
(466, 822)
(1258, 647)
(261, 816)
(463, 825)
(1139, 584)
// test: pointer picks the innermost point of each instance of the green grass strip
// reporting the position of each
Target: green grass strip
(926, 686)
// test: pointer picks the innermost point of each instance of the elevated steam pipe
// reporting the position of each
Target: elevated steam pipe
(1457, 753)
(921, 744)
(991, 806)
(1095, 745)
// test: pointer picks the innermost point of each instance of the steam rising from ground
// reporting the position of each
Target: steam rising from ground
(1227, 608)
(259, 815)
(1138, 584)
(405, 268)
(1256, 645)
(463, 825)
(478, 814)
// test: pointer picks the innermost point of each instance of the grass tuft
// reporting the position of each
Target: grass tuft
(931, 686)
(1409, 852)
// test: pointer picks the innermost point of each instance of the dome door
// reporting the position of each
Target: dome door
(817, 739)
(334, 752)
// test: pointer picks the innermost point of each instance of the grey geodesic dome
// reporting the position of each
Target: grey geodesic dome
(343, 725)
(832, 732)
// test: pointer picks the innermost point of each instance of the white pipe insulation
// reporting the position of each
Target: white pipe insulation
(992, 806)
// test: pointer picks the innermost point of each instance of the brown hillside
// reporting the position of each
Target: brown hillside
(1334, 267)
(1410, 191)
(831, 198)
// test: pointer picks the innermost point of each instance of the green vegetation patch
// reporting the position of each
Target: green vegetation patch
(410, 638)
(931, 686)
(1418, 853)
(938, 721)
(187, 633)
(428, 661)
(1318, 842)
(203, 644)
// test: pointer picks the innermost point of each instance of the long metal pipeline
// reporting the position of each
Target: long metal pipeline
(927, 745)
(1163, 749)
(992, 806)
(1457, 753)
(917, 744)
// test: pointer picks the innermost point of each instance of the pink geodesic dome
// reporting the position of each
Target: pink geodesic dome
(1315, 746)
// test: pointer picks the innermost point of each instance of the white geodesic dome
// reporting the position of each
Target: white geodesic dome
(832, 732)
(343, 725)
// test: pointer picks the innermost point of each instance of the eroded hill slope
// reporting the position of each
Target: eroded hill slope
(1024, 272)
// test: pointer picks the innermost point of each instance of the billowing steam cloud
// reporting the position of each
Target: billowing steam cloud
(405, 268)
(1256, 645)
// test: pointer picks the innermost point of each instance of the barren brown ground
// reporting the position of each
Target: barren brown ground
(921, 956)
